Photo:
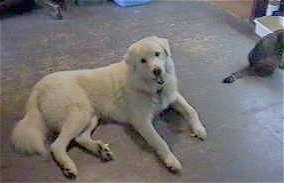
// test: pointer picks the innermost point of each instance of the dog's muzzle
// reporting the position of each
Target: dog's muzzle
(160, 80)
(157, 71)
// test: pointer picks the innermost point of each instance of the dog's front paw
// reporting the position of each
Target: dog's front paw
(199, 132)
(105, 152)
(172, 163)
(70, 171)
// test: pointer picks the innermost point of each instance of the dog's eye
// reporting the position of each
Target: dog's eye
(143, 60)
(157, 54)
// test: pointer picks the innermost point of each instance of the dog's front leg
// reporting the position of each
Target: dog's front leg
(148, 132)
(191, 115)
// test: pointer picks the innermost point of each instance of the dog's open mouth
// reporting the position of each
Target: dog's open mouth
(159, 80)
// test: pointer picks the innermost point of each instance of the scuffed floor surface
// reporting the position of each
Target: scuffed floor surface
(244, 120)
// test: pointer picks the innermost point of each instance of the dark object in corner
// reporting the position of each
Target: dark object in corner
(53, 6)
(15, 6)
(259, 8)
(264, 58)
(10, 7)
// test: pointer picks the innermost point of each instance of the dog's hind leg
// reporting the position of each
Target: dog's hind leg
(94, 146)
(75, 122)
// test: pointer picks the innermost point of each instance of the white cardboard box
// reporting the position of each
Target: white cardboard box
(268, 24)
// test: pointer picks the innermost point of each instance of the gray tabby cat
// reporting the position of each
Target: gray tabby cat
(264, 58)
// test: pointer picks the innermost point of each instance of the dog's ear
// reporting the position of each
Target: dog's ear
(170, 66)
(129, 57)
(164, 43)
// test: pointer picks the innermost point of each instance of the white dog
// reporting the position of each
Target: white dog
(133, 90)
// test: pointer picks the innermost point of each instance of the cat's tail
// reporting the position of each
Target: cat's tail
(247, 71)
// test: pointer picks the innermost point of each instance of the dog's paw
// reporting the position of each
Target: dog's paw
(70, 171)
(105, 152)
(199, 132)
(172, 163)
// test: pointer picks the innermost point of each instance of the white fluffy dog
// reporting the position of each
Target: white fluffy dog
(133, 90)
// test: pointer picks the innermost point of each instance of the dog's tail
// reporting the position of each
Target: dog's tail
(29, 134)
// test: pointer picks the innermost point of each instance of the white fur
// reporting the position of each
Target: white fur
(71, 102)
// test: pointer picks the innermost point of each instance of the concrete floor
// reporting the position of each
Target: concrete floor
(244, 120)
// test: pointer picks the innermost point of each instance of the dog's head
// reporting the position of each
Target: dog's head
(150, 59)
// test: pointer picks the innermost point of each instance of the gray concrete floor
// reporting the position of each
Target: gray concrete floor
(244, 120)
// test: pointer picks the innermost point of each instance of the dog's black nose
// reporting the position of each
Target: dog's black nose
(157, 71)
